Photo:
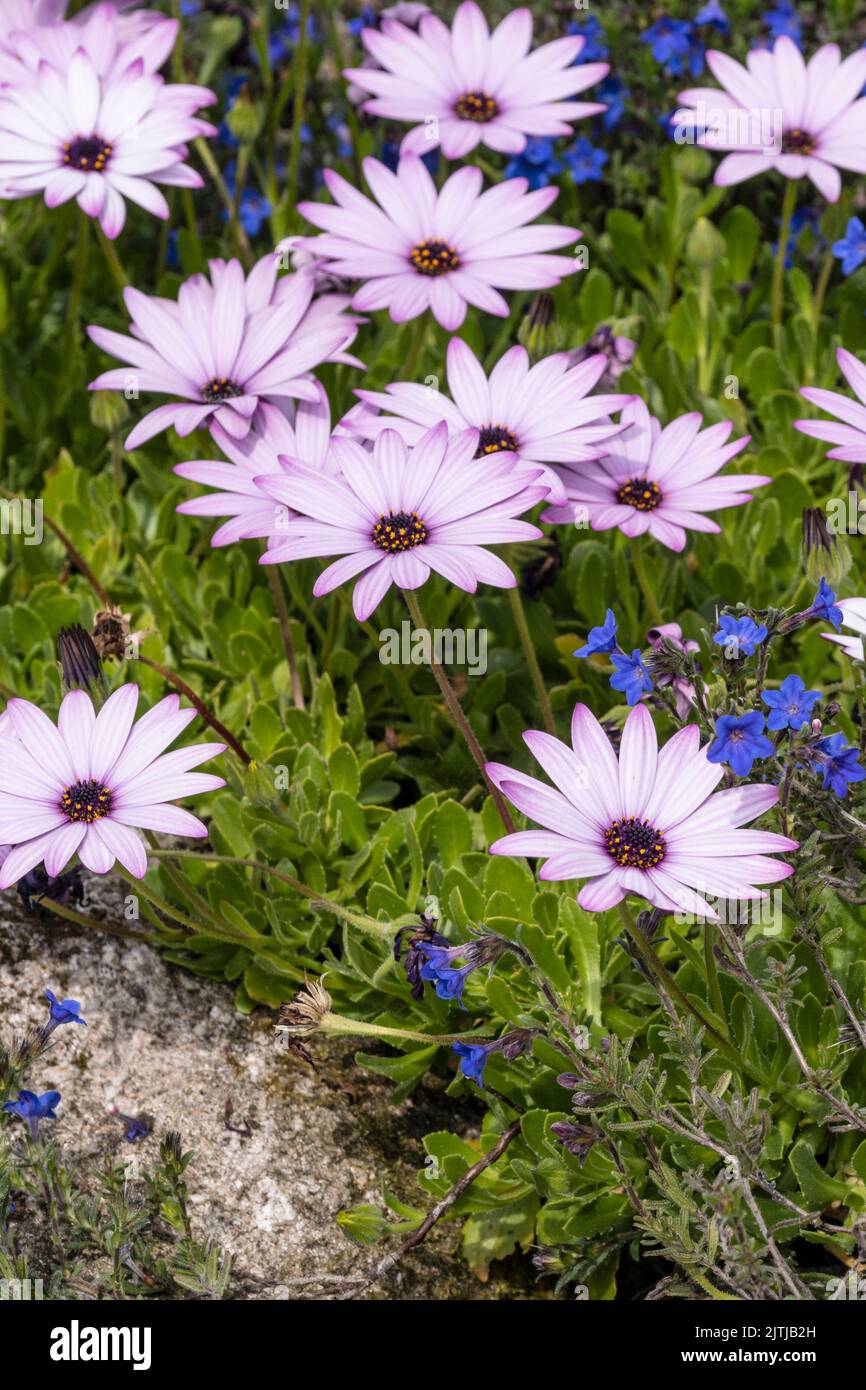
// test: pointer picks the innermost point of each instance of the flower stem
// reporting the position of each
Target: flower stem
(70, 915)
(817, 307)
(519, 614)
(415, 349)
(112, 260)
(648, 952)
(355, 919)
(276, 586)
(713, 988)
(253, 940)
(652, 603)
(300, 74)
(456, 712)
(196, 700)
(789, 202)
(205, 154)
(336, 1023)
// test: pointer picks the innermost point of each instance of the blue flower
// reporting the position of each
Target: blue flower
(840, 765)
(336, 124)
(390, 157)
(440, 972)
(851, 249)
(600, 639)
(738, 636)
(632, 676)
(712, 13)
(614, 92)
(824, 605)
(136, 1126)
(739, 741)
(367, 19)
(65, 1010)
(585, 162)
(802, 218)
(783, 20)
(595, 48)
(473, 1059)
(32, 1108)
(791, 705)
(537, 163)
(674, 45)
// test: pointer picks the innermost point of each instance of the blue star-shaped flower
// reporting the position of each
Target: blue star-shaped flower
(32, 1108)
(738, 636)
(438, 969)
(600, 639)
(473, 1058)
(595, 49)
(632, 677)
(740, 740)
(824, 605)
(840, 765)
(673, 44)
(613, 91)
(712, 13)
(64, 1010)
(791, 705)
(783, 20)
(851, 249)
(537, 163)
(585, 162)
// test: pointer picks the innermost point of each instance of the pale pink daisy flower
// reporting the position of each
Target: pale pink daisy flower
(658, 480)
(853, 617)
(541, 414)
(88, 785)
(646, 823)
(849, 436)
(781, 113)
(102, 126)
(403, 511)
(229, 343)
(418, 248)
(281, 435)
(57, 41)
(466, 86)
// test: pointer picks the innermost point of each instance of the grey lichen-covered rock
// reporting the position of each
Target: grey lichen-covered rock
(171, 1045)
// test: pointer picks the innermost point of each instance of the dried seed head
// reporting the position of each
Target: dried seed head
(304, 1013)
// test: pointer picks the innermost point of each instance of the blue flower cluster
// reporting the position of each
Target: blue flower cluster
(675, 44)
(740, 739)
(630, 674)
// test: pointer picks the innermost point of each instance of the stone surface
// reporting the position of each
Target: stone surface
(170, 1044)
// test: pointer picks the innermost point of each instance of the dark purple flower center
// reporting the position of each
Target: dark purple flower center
(634, 844)
(493, 439)
(476, 106)
(86, 801)
(640, 493)
(433, 258)
(399, 531)
(798, 142)
(220, 389)
(89, 153)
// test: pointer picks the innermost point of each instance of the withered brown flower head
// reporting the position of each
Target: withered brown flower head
(112, 634)
(304, 1013)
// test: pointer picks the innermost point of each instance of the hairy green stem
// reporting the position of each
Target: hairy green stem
(355, 919)
(456, 712)
(518, 612)
(789, 202)
(652, 603)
